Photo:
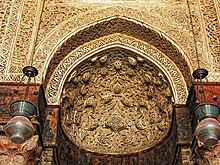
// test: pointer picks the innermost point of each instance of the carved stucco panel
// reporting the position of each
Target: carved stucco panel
(116, 102)
(171, 17)
(26, 35)
(9, 24)
(210, 17)
(205, 22)
(55, 85)
(20, 20)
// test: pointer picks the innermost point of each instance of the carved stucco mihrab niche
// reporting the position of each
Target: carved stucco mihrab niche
(176, 79)
(116, 102)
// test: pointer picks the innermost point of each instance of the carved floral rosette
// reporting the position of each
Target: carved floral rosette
(116, 102)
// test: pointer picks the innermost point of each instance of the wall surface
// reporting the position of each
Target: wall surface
(56, 36)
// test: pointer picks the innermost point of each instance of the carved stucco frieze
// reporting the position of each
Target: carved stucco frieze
(20, 20)
(171, 12)
(198, 32)
(211, 22)
(26, 34)
(205, 22)
(116, 102)
(55, 84)
(9, 23)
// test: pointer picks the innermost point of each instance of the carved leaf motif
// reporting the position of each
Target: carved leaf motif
(107, 99)
(116, 123)
(161, 125)
(93, 126)
(94, 59)
(86, 77)
(147, 78)
(117, 88)
(118, 64)
(127, 140)
(103, 59)
(69, 119)
(77, 118)
(104, 71)
(125, 102)
(132, 61)
(131, 73)
(140, 125)
(90, 102)
(140, 59)
(83, 90)
(82, 135)
(104, 140)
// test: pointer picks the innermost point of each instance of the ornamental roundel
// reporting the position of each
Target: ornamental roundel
(116, 102)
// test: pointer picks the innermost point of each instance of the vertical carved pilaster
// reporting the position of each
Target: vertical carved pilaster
(186, 153)
(47, 157)
(49, 133)
(17, 154)
(184, 133)
(50, 118)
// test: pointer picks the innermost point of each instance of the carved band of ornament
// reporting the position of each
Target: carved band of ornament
(199, 35)
(23, 45)
(212, 25)
(54, 39)
(56, 82)
(9, 35)
(214, 77)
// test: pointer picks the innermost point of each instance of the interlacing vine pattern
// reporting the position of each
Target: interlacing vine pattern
(116, 102)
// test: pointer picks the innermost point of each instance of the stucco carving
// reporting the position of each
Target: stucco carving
(17, 154)
(52, 42)
(9, 20)
(20, 20)
(161, 154)
(59, 76)
(116, 103)
(19, 30)
(211, 19)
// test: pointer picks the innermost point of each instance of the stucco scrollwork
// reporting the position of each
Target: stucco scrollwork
(210, 16)
(61, 33)
(9, 22)
(19, 21)
(55, 84)
(116, 102)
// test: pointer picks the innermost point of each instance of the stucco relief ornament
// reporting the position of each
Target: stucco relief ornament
(116, 103)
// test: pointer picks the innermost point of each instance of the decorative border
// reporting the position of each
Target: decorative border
(48, 46)
(10, 34)
(175, 77)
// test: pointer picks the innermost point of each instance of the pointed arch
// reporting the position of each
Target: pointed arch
(149, 52)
